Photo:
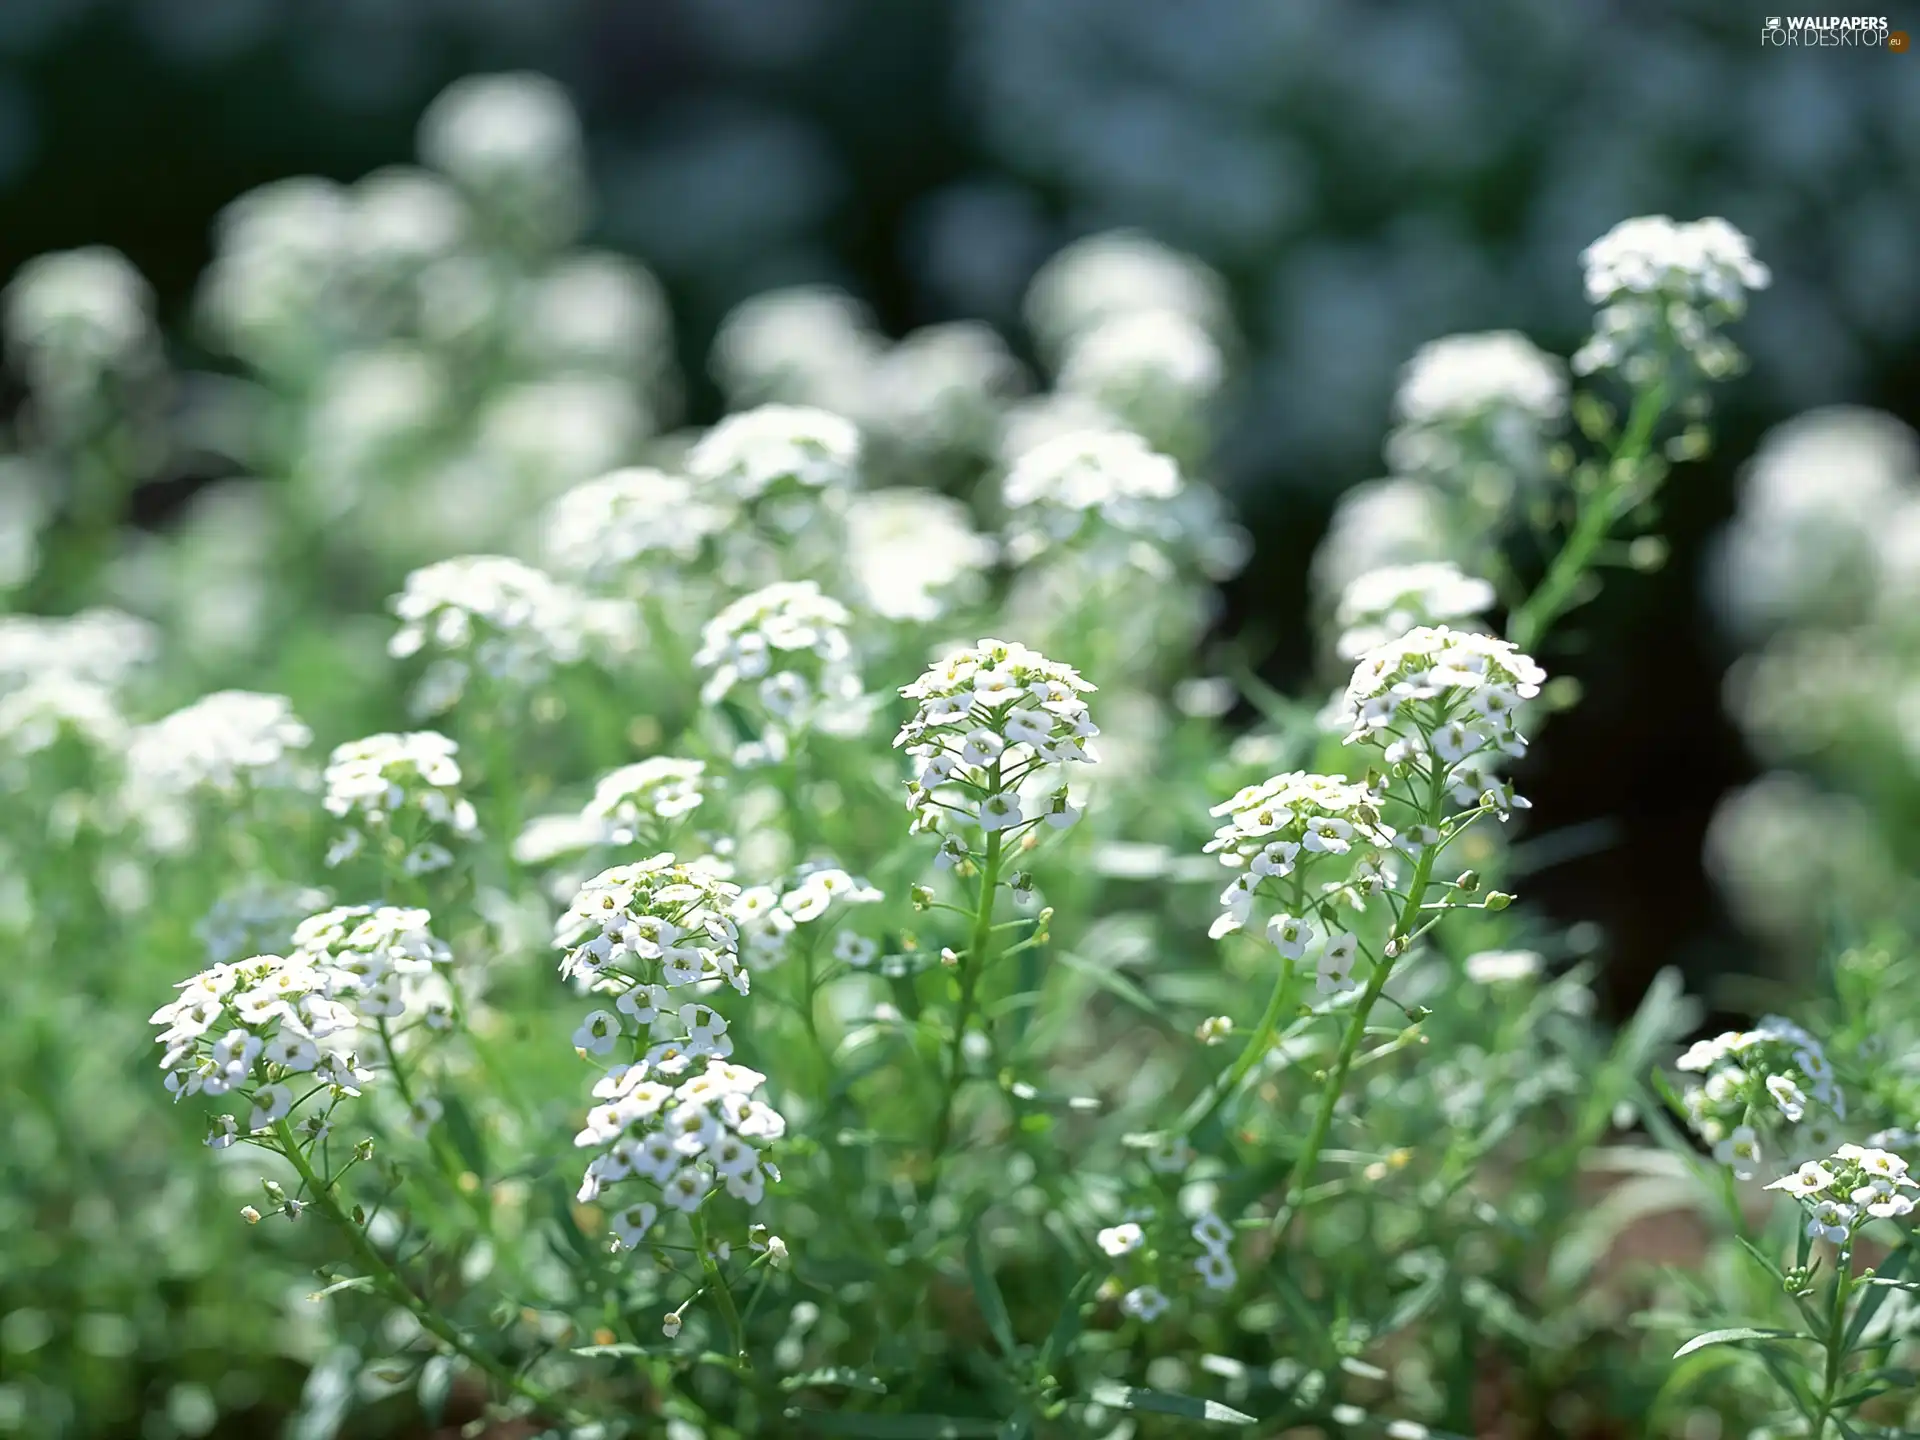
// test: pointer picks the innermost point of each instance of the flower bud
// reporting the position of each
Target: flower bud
(1498, 900)
(922, 896)
(670, 1324)
(249, 1214)
(1468, 882)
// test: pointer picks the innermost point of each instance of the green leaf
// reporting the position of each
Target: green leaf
(1887, 1277)
(836, 1376)
(464, 1134)
(1164, 1402)
(1066, 1329)
(993, 1306)
(1114, 983)
(1733, 1336)
(622, 1348)
(894, 1427)
(436, 1379)
(352, 1282)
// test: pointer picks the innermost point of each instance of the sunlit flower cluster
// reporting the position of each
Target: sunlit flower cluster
(634, 529)
(1667, 287)
(1381, 605)
(991, 723)
(100, 646)
(400, 787)
(272, 1028)
(638, 800)
(1474, 413)
(789, 642)
(1774, 1074)
(656, 922)
(913, 553)
(222, 744)
(777, 454)
(1852, 1186)
(1448, 694)
(500, 616)
(1285, 832)
(769, 916)
(1088, 484)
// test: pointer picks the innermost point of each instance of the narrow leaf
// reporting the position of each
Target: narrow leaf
(1886, 1278)
(352, 1282)
(623, 1348)
(1114, 983)
(1164, 1402)
(837, 1376)
(1733, 1336)
(1066, 1329)
(993, 1306)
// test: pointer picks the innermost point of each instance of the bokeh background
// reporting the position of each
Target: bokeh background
(1367, 176)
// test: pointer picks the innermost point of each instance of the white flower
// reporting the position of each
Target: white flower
(1216, 1271)
(1502, 967)
(1414, 685)
(597, 1033)
(913, 552)
(1170, 1155)
(793, 624)
(1707, 260)
(1334, 971)
(1145, 1303)
(1118, 1240)
(1212, 1232)
(505, 618)
(1787, 1095)
(631, 1224)
(1740, 1150)
(270, 1104)
(1290, 936)
(1088, 482)
(221, 743)
(670, 1324)
(1809, 1179)
(1000, 811)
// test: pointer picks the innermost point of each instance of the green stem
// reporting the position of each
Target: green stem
(717, 1282)
(395, 1286)
(970, 968)
(1257, 1046)
(1836, 1341)
(1303, 1167)
(1598, 511)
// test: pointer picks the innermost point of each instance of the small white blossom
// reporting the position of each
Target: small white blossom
(1118, 1240)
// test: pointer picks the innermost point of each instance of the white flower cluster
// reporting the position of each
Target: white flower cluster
(1474, 412)
(1664, 285)
(512, 143)
(769, 915)
(1155, 371)
(256, 917)
(775, 454)
(637, 799)
(1116, 276)
(1284, 830)
(912, 553)
(635, 528)
(1448, 694)
(76, 316)
(100, 646)
(638, 932)
(990, 723)
(397, 785)
(251, 1027)
(223, 743)
(652, 922)
(1381, 605)
(508, 619)
(679, 1138)
(1843, 1192)
(1776, 1068)
(1209, 1240)
(50, 707)
(1088, 484)
(792, 639)
(384, 960)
